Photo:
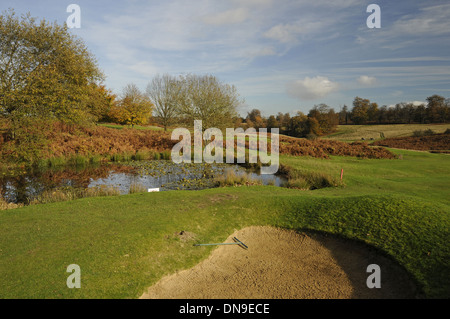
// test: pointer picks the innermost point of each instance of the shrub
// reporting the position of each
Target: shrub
(324, 148)
(307, 180)
(319, 180)
(420, 133)
(137, 188)
(435, 142)
(231, 178)
(297, 183)
(4, 205)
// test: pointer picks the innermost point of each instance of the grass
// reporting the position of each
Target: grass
(136, 127)
(306, 179)
(352, 133)
(232, 178)
(125, 244)
(71, 193)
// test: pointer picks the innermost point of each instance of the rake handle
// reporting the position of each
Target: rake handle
(237, 242)
(216, 244)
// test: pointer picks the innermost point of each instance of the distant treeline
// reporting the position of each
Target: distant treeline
(322, 119)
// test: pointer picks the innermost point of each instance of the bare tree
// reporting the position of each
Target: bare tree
(205, 98)
(164, 91)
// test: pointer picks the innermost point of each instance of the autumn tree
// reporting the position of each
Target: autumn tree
(301, 125)
(134, 108)
(100, 102)
(359, 112)
(326, 117)
(45, 71)
(255, 118)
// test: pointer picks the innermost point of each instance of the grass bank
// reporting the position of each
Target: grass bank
(124, 244)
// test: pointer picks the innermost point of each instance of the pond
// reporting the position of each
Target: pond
(27, 185)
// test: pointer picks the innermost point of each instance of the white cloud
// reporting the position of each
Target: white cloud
(431, 20)
(283, 33)
(253, 3)
(227, 17)
(144, 68)
(290, 33)
(415, 103)
(311, 88)
(410, 29)
(366, 80)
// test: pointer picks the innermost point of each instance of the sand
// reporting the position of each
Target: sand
(283, 264)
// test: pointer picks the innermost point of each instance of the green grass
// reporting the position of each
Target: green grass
(351, 133)
(125, 244)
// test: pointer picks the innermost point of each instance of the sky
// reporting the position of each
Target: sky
(282, 55)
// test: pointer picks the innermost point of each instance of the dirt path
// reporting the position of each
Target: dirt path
(284, 264)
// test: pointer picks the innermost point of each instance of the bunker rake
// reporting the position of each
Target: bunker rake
(236, 242)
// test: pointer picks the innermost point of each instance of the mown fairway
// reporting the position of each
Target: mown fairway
(351, 133)
(125, 244)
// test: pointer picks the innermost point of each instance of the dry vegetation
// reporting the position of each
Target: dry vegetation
(79, 144)
(436, 142)
(324, 148)
(68, 141)
(4, 205)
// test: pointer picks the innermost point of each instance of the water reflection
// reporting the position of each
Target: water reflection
(165, 175)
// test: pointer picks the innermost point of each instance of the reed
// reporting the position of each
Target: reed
(4, 205)
(63, 194)
(231, 178)
(137, 188)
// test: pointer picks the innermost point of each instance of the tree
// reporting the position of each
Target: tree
(436, 109)
(359, 112)
(326, 117)
(101, 101)
(254, 117)
(283, 121)
(301, 125)
(297, 125)
(165, 93)
(45, 71)
(134, 108)
(272, 122)
(420, 114)
(238, 121)
(372, 112)
(205, 98)
(343, 115)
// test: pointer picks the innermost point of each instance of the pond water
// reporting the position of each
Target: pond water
(165, 175)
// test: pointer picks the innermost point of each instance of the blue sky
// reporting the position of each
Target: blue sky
(282, 55)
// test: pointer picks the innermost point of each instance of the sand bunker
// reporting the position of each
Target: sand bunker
(282, 264)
